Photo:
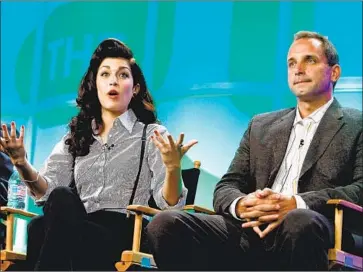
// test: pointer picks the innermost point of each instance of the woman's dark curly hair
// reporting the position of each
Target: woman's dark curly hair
(89, 117)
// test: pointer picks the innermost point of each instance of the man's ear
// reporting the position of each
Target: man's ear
(335, 74)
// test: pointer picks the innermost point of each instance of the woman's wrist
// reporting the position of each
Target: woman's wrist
(20, 163)
(173, 169)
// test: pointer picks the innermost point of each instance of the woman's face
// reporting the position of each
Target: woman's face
(115, 85)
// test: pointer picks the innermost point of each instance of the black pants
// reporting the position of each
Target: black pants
(182, 241)
(67, 238)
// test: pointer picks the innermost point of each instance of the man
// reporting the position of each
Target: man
(271, 204)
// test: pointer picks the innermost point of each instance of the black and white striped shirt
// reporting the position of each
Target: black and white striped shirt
(105, 177)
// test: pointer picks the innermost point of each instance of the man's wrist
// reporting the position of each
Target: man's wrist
(233, 208)
(300, 203)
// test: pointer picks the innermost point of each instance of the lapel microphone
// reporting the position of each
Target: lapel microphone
(109, 147)
(301, 143)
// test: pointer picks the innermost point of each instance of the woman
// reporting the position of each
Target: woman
(86, 228)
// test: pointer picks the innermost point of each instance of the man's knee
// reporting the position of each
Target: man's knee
(165, 222)
(301, 221)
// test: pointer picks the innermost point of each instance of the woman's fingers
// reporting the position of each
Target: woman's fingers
(159, 137)
(187, 146)
(5, 132)
(22, 133)
(180, 139)
(13, 131)
(171, 141)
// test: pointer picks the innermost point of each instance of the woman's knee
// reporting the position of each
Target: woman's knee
(36, 223)
(62, 200)
(60, 193)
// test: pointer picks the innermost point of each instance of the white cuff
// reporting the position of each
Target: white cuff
(181, 202)
(300, 203)
(232, 208)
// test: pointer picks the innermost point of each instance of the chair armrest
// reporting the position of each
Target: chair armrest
(198, 209)
(9, 222)
(138, 209)
(352, 214)
(345, 204)
(8, 210)
(347, 215)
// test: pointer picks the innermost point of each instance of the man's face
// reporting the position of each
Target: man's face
(309, 75)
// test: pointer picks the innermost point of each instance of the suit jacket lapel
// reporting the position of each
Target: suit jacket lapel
(329, 125)
(280, 135)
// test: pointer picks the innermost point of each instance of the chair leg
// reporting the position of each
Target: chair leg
(127, 256)
(9, 232)
(122, 266)
(338, 224)
(137, 233)
(4, 265)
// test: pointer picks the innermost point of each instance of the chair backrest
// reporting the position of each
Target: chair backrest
(190, 179)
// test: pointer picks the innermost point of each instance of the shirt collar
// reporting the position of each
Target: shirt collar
(315, 116)
(128, 119)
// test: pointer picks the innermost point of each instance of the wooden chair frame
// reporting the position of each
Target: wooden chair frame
(336, 255)
(7, 255)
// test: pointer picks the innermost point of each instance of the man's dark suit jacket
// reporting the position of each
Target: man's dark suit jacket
(333, 166)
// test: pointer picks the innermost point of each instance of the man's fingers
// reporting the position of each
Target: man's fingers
(263, 193)
(258, 193)
(275, 196)
(266, 192)
(248, 202)
(255, 214)
(257, 230)
(264, 207)
(269, 228)
(268, 218)
(250, 215)
(252, 224)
